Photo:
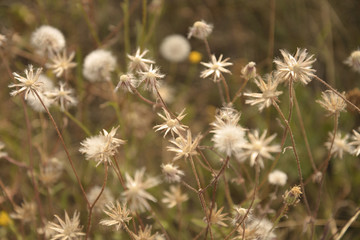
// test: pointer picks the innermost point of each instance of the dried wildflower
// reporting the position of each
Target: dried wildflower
(239, 213)
(257, 229)
(217, 217)
(224, 116)
(175, 48)
(145, 234)
(184, 147)
(60, 62)
(127, 83)
(295, 68)
(292, 197)
(354, 60)
(98, 65)
(46, 85)
(47, 39)
(150, 78)
(119, 215)
(63, 96)
(195, 57)
(68, 229)
(229, 136)
(138, 62)
(26, 212)
(332, 102)
(356, 143)
(258, 148)
(268, 93)
(136, 195)
(27, 84)
(171, 125)
(2, 153)
(46, 230)
(104, 199)
(171, 172)
(50, 172)
(175, 197)
(340, 145)
(215, 68)
(249, 71)
(200, 30)
(277, 177)
(101, 147)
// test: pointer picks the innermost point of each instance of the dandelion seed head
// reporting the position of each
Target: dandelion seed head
(50, 172)
(353, 60)
(47, 39)
(101, 147)
(331, 102)
(62, 96)
(200, 30)
(277, 177)
(45, 85)
(104, 199)
(297, 68)
(98, 65)
(171, 172)
(175, 48)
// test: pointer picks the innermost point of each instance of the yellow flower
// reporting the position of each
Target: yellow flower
(195, 57)
(4, 219)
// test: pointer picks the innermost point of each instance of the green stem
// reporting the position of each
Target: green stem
(77, 122)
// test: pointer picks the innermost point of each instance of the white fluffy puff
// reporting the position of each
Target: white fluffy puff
(98, 65)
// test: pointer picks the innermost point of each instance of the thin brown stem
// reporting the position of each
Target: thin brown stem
(226, 87)
(295, 154)
(303, 131)
(142, 97)
(65, 148)
(95, 201)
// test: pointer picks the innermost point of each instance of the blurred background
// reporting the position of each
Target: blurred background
(244, 31)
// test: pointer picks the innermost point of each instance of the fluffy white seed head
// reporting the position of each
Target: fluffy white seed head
(354, 61)
(46, 86)
(47, 39)
(98, 65)
(277, 177)
(175, 48)
(200, 30)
